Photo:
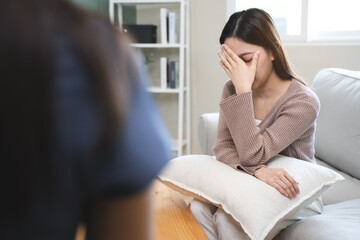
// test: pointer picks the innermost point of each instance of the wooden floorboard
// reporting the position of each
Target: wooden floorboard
(174, 219)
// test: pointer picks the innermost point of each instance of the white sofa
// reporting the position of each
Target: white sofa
(337, 146)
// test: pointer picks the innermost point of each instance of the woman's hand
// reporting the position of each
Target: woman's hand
(241, 75)
(279, 179)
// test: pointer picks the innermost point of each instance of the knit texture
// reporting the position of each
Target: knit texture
(288, 128)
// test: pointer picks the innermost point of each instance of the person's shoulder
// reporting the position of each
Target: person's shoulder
(101, 25)
(304, 93)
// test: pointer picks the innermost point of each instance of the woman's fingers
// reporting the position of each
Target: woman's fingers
(280, 189)
(224, 67)
(227, 56)
(286, 189)
(230, 53)
(287, 183)
(290, 188)
(280, 179)
(224, 61)
(292, 181)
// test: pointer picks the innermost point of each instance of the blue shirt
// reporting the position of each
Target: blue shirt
(129, 165)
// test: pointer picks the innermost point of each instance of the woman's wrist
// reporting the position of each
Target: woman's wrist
(258, 171)
(242, 90)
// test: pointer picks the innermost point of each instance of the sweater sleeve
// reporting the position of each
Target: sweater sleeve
(239, 141)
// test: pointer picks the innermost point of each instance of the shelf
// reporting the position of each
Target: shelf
(145, 1)
(155, 45)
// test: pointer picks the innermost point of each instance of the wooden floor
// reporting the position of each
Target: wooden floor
(174, 220)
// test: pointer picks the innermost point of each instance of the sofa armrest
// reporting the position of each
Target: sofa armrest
(207, 131)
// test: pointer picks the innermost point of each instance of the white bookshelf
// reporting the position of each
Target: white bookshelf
(181, 126)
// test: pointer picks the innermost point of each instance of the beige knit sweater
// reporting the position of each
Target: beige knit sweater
(288, 128)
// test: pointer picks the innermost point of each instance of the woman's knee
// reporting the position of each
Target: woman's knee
(200, 208)
(227, 227)
(220, 216)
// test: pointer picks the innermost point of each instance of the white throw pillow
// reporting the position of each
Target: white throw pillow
(260, 209)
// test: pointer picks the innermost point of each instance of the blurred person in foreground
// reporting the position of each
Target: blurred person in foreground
(81, 139)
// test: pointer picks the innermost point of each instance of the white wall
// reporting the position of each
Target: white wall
(207, 19)
(207, 77)
(308, 60)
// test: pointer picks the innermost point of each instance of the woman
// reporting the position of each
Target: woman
(81, 139)
(265, 110)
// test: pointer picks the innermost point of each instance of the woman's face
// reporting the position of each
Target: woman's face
(246, 51)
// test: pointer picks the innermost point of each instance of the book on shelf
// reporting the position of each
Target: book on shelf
(174, 74)
(172, 27)
(177, 75)
(164, 25)
(163, 72)
(168, 26)
(169, 73)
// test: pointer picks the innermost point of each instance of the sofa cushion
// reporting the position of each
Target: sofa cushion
(337, 222)
(338, 124)
(341, 191)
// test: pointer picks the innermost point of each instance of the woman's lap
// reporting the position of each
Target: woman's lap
(216, 223)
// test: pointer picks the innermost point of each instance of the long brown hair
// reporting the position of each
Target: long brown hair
(29, 35)
(255, 26)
